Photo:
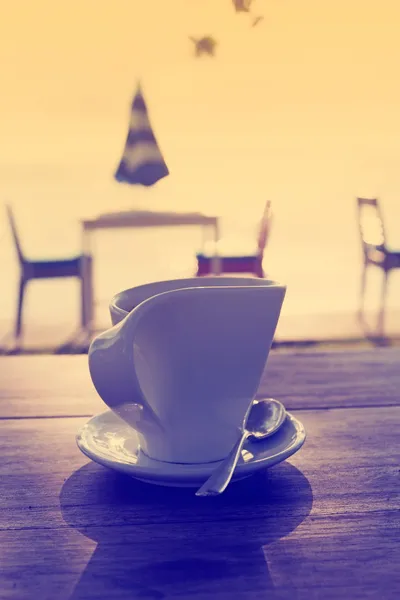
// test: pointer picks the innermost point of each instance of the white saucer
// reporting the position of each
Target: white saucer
(109, 441)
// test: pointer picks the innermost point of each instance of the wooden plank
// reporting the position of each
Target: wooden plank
(350, 439)
(60, 385)
(334, 379)
(47, 386)
(162, 562)
(323, 525)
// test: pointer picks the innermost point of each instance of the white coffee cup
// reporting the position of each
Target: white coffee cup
(183, 361)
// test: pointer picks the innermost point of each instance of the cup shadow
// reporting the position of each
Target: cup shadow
(157, 542)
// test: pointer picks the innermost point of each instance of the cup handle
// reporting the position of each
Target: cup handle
(112, 369)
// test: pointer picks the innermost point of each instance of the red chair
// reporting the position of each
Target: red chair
(237, 261)
(78, 266)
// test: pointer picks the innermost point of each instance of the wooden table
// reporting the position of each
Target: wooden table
(323, 525)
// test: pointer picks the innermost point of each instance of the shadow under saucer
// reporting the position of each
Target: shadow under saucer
(157, 542)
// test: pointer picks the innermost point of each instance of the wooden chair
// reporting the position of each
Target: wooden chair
(79, 266)
(375, 249)
(236, 261)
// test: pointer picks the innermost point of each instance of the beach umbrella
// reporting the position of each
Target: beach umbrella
(142, 162)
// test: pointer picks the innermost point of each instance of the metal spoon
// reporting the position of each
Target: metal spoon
(264, 418)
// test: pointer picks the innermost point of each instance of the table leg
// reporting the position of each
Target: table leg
(87, 283)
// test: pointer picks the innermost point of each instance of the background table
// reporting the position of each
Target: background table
(324, 524)
(134, 219)
(145, 218)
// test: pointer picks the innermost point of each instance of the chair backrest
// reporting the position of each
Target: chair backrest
(264, 229)
(14, 232)
(371, 226)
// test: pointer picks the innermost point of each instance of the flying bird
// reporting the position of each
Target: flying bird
(257, 20)
(204, 45)
(242, 5)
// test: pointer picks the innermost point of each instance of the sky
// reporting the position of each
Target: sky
(314, 82)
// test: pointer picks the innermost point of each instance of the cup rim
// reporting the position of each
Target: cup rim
(169, 285)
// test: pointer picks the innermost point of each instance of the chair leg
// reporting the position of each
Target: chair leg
(381, 320)
(86, 293)
(258, 269)
(260, 272)
(203, 269)
(362, 290)
(18, 325)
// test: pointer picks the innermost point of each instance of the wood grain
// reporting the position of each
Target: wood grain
(334, 379)
(41, 386)
(323, 525)
(46, 386)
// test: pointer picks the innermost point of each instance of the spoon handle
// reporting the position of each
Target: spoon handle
(219, 479)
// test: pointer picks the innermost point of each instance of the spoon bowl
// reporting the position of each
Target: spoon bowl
(264, 418)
